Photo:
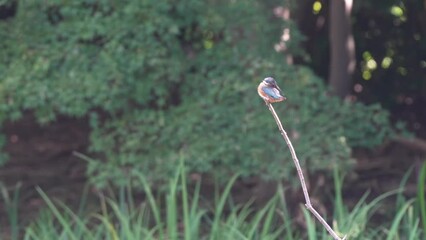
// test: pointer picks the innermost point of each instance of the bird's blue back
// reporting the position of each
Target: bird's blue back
(272, 92)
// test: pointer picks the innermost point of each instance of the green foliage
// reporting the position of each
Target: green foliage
(161, 80)
(240, 135)
(358, 222)
(181, 213)
(121, 218)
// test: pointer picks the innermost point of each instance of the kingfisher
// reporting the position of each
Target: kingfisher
(269, 91)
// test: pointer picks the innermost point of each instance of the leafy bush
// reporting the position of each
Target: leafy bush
(238, 134)
(161, 80)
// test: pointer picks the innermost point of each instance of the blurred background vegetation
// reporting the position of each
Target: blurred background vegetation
(154, 82)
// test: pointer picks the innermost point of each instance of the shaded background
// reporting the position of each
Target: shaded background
(138, 85)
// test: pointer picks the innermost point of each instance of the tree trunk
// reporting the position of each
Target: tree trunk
(342, 47)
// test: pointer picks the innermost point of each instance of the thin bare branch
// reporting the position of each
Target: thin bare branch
(300, 173)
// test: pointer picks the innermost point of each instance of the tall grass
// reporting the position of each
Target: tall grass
(178, 214)
(11, 203)
(421, 195)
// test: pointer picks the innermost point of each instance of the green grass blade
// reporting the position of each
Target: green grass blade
(154, 207)
(185, 206)
(267, 224)
(285, 214)
(421, 195)
(219, 208)
(393, 231)
(11, 207)
(172, 215)
(196, 214)
(400, 199)
(310, 224)
(109, 227)
(61, 218)
(339, 206)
